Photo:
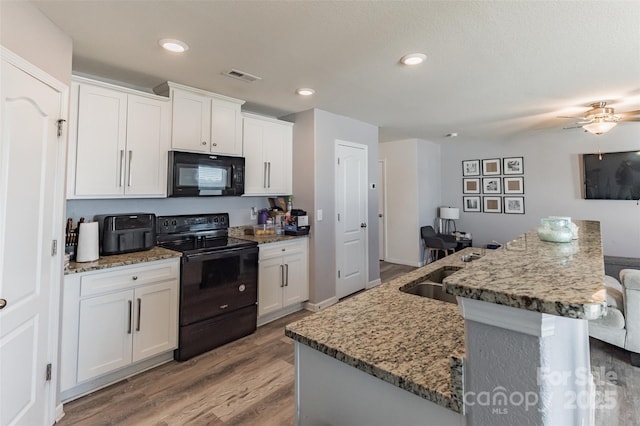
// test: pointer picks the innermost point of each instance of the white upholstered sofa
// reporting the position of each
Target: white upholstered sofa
(621, 324)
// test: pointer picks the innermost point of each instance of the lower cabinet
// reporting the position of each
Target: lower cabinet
(283, 275)
(115, 318)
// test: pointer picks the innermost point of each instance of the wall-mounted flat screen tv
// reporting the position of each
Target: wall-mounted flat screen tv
(612, 175)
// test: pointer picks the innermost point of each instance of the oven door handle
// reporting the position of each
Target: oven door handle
(203, 257)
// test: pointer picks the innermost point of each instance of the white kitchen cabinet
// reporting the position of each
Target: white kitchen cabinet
(283, 275)
(115, 319)
(118, 142)
(204, 121)
(268, 151)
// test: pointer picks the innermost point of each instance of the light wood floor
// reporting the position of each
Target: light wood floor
(250, 382)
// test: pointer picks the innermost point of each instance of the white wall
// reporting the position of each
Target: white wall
(28, 33)
(314, 137)
(552, 184)
(413, 190)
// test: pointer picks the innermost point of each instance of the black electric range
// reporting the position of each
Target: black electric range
(218, 281)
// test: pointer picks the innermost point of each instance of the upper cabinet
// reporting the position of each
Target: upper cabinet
(203, 121)
(118, 142)
(268, 149)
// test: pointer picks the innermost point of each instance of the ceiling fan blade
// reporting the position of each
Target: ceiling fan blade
(566, 116)
(630, 115)
(573, 127)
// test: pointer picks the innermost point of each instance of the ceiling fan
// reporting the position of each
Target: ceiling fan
(601, 118)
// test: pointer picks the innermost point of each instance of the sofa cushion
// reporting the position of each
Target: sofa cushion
(613, 318)
(630, 279)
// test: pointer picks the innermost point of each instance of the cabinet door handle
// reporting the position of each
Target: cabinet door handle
(204, 142)
(130, 315)
(281, 275)
(139, 314)
(264, 176)
(122, 167)
(214, 144)
(269, 163)
(286, 283)
(130, 160)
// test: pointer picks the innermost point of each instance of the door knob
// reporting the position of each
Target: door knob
(363, 225)
(3, 303)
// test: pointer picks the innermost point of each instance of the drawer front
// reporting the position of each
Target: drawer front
(268, 251)
(127, 277)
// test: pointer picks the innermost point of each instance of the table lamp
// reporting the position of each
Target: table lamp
(449, 215)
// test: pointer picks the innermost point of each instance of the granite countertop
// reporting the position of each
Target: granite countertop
(564, 279)
(412, 342)
(239, 232)
(156, 253)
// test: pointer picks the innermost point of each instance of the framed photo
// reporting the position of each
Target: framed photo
(471, 168)
(513, 166)
(514, 205)
(491, 167)
(491, 185)
(513, 185)
(471, 186)
(492, 204)
(471, 204)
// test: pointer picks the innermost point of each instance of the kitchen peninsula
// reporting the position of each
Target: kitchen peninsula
(520, 324)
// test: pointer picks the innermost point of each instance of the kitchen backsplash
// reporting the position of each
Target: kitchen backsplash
(239, 208)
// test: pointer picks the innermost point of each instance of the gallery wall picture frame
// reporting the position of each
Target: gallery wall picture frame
(471, 168)
(471, 204)
(513, 185)
(492, 185)
(491, 167)
(471, 185)
(513, 165)
(514, 205)
(492, 204)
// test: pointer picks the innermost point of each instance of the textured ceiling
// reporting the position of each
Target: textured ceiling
(494, 70)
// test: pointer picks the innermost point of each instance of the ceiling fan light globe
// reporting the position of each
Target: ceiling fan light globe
(599, 127)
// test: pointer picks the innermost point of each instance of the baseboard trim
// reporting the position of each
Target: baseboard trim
(272, 316)
(315, 307)
(404, 262)
(374, 283)
(59, 412)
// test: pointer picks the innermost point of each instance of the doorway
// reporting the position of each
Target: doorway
(351, 227)
(382, 240)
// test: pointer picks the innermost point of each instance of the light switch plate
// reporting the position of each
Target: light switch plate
(319, 215)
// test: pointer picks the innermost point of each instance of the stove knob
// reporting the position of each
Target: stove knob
(242, 288)
(174, 222)
(166, 223)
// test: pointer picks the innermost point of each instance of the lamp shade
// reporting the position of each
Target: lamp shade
(449, 213)
(599, 127)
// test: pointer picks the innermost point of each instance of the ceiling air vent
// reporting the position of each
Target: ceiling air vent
(241, 75)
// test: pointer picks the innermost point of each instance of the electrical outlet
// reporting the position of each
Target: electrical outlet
(253, 214)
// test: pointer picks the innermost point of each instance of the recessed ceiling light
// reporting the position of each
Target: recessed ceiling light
(413, 59)
(173, 45)
(452, 135)
(305, 91)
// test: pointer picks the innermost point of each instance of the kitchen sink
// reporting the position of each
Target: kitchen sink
(432, 286)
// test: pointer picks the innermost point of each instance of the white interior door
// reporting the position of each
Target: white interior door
(29, 272)
(381, 208)
(351, 227)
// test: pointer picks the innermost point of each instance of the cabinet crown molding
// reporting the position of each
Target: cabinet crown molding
(164, 89)
(122, 89)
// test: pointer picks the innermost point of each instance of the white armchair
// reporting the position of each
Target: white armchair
(621, 324)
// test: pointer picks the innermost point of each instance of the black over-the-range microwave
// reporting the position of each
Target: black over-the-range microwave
(204, 175)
